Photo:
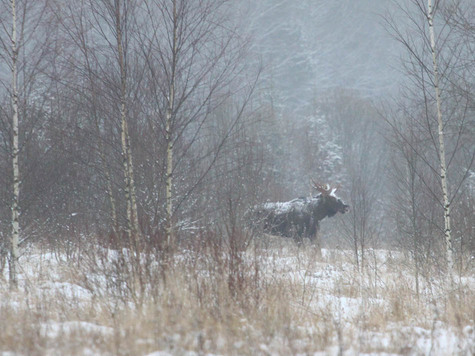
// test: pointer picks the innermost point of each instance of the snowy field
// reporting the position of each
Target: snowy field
(212, 300)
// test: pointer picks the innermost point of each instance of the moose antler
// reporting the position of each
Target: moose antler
(325, 189)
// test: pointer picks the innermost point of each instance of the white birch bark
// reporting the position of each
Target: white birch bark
(443, 166)
(125, 161)
(132, 218)
(169, 136)
(133, 196)
(16, 171)
(169, 179)
(128, 225)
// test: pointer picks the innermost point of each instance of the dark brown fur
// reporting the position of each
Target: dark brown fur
(298, 218)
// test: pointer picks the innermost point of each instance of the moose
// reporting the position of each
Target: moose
(298, 218)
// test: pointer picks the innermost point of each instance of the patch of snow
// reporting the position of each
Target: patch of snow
(285, 207)
(55, 329)
(468, 282)
(67, 290)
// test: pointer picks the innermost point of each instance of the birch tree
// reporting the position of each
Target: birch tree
(15, 236)
(440, 115)
(192, 53)
(109, 21)
(93, 31)
(130, 196)
(440, 124)
(168, 123)
(22, 50)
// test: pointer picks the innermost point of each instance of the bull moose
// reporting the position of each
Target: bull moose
(298, 218)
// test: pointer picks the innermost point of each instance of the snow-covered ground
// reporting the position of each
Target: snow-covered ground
(98, 303)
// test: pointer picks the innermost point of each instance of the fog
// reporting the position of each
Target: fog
(312, 46)
(204, 141)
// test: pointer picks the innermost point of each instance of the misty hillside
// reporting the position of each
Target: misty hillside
(311, 46)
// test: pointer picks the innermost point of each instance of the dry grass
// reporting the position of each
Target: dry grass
(279, 300)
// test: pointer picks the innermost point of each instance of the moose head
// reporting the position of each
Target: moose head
(330, 201)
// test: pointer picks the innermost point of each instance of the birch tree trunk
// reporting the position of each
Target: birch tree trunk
(132, 218)
(169, 177)
(169, 135)
(443, 166)
(125, 162)
(133, 196)
(16, 171)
